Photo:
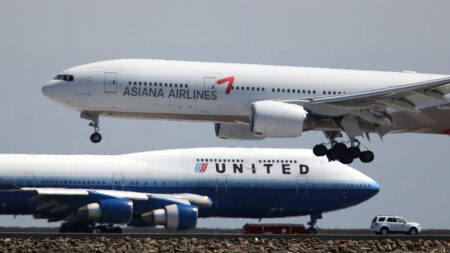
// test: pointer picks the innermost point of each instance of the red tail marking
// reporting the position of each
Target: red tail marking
(230, 81)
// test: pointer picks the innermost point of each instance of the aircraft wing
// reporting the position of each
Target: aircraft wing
(375, 106)
(60, 202)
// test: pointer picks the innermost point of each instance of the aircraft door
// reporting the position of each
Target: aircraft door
(118, 183)
(110, 82)
(302, 185)
(210, 83)
(221, 184)
(28, 179)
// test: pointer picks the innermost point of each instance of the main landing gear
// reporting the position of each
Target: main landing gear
(314, 217)
(89, 228)
(339, 151)
(96, 137)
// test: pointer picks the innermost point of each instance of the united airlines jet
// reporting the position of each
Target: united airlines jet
(256, 101)
(173, 188)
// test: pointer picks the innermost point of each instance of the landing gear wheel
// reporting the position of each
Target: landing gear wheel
(332, 155)
(354, 151)
(320, 150)
(340, 148)
(96, 137)
(347, 157)
(384, 231)
(311, 231)
(75, 228)
(366, 156)
(110, 230)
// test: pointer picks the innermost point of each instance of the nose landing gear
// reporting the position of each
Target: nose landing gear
(339, 151)
(314, 217)
(96, 137)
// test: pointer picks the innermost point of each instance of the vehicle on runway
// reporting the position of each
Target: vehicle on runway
(253, 102)
(385, 224)
(174, 187)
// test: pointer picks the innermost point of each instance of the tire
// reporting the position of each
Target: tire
(320, 150)
(96, 138)
(366, 156)
(332, 155)
(355, 151)
(384, 231)
(413, 231)
(340, 148)
(346, 158)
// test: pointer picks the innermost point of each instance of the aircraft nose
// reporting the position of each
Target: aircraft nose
(374, 188)
(48, 90)
(58, 91)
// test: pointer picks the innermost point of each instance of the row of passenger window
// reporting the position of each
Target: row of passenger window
(220, 160)
(293, 91)
(69, 181)
(241, 160)
(155, 84)
(339, 185)
(248, 88)
(334, 92)
(242, 88)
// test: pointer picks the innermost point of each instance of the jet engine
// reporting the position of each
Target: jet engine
(235, 131)
(276, 119)
(108, 211)
(175, 217)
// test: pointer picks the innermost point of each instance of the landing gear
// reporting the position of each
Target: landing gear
(96, 137)
(109, 229)
(311, 229)
(339, 151)
(76, 228)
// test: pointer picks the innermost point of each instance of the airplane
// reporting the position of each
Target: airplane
(174, 188)
(253, 102)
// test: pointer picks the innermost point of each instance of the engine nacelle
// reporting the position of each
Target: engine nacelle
(175, 217)
(276, 119)
(234, 131)
(118, 211)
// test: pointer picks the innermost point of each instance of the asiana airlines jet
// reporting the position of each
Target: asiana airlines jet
(247, 101)
(173, 188)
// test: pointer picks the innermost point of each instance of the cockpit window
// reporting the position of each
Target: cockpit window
(67, 78)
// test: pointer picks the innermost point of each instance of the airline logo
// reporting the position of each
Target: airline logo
(201, 167)
(229, 80)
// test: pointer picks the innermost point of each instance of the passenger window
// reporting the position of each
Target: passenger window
(262, 89)
(392, 220)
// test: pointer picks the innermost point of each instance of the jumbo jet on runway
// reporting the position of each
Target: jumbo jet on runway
(256, 101)
(175, 187)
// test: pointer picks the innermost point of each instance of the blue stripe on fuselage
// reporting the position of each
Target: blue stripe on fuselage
(235, 199)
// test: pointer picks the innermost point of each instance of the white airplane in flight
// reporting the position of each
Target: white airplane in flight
(256, 101)
(174, 187)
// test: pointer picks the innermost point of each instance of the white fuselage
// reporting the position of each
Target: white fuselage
(197, 91)
(240, 182)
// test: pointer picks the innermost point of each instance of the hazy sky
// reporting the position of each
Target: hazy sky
(40, 38)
